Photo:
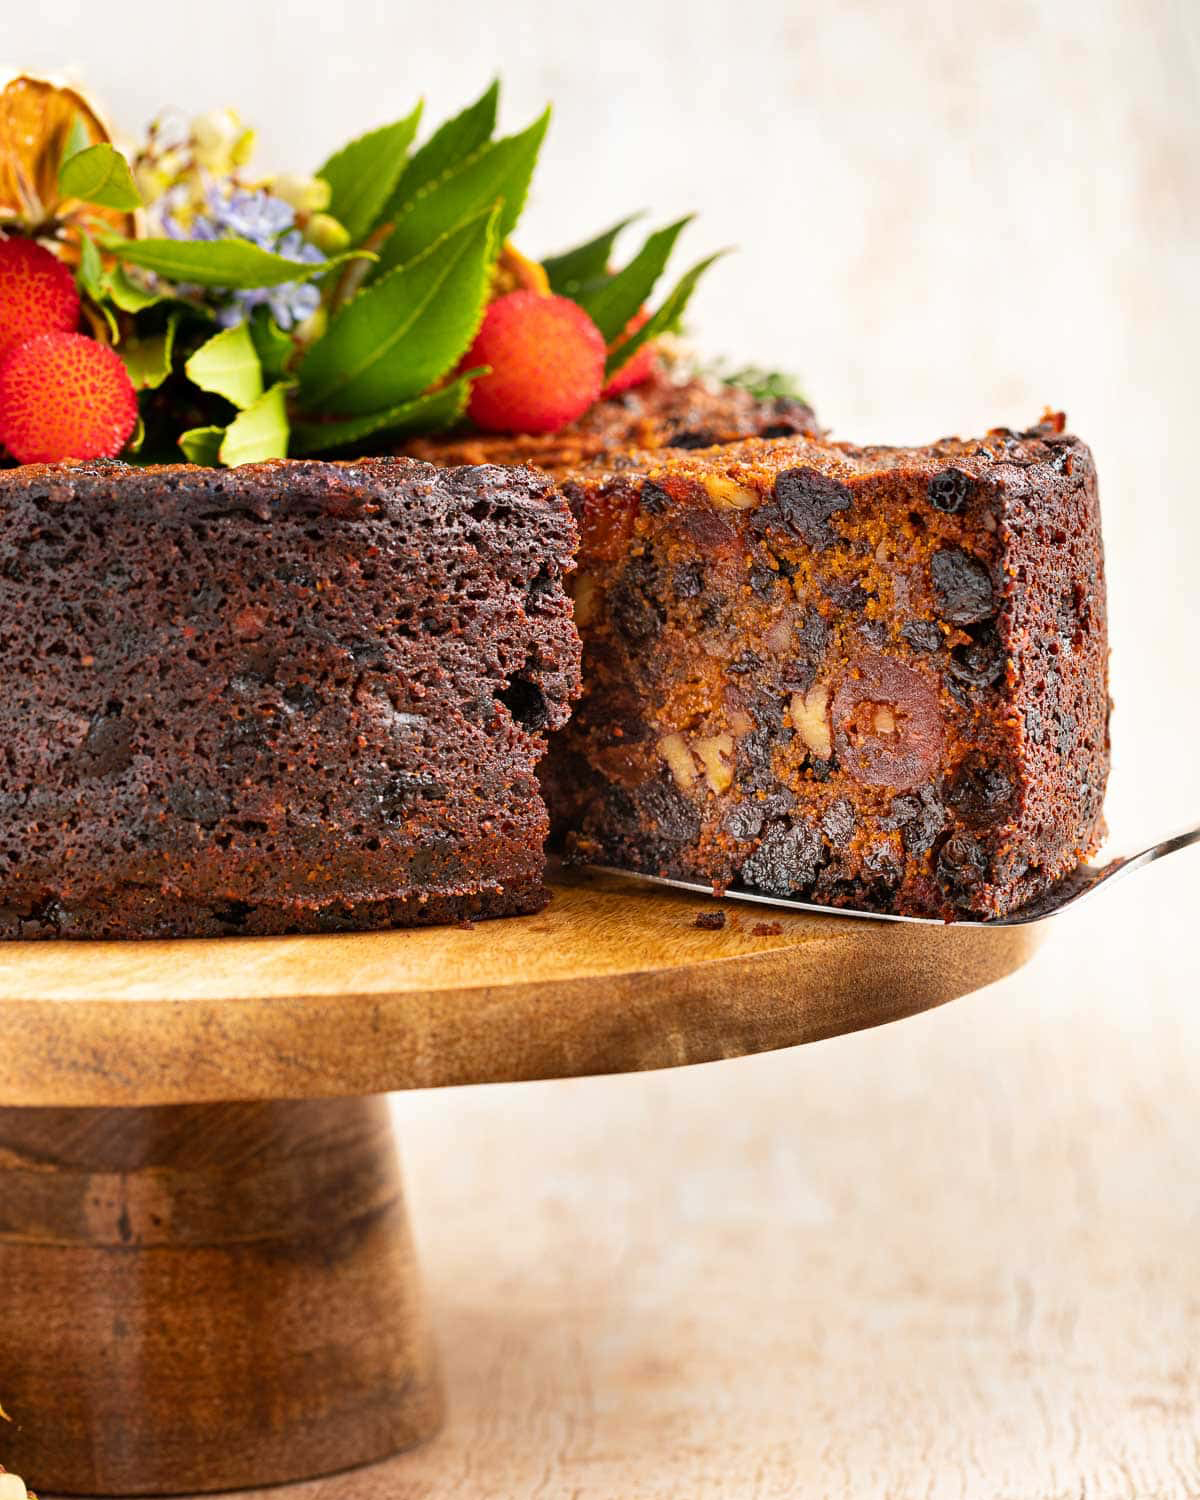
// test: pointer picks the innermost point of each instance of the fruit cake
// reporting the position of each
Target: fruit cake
(861, 676)
(661, 413)
(286, 697)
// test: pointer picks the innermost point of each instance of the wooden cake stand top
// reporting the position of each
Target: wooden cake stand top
(612, 977)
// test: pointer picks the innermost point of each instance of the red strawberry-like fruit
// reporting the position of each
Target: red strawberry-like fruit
(37, 293)
(63, 395)
(547, 364)
(642, 367)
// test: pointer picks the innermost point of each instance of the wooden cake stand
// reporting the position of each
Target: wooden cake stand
(206, 1277)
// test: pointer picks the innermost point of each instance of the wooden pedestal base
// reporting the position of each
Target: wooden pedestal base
(197, 1295)
(206, 1297)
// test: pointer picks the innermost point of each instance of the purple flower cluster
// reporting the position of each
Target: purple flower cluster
(269, 223)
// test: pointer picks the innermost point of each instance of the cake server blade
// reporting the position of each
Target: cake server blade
(1083, 882)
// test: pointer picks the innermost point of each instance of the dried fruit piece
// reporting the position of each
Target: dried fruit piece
(961, 866)
(981, 789)
(962, 587)
(922, 635)
(920, 817)
(787, 861)
(949, 490)
(37, 120)
(804, 502)
(979, 664)
(37, 293)
(547, 364)
(887, 728)
(63, 395)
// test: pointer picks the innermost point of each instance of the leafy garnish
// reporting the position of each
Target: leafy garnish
(148, 359)
(618, 298)
(450, 143)
(428, 413)
(497, 172)
(401, 333)
(260, 432)
(576, 270)
(665, 319)
(763, 385)
(220, 263)
(363, 175)
(228, 365)
(128, 295)
(99, 174)
(316, 312)
(274, 347)
(91, 269)
(202, 445)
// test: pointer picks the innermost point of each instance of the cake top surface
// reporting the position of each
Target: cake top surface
(661, 413)
(1046, 444)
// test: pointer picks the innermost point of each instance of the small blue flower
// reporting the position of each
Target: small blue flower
(264, 220)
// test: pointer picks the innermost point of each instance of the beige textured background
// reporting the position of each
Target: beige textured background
(960, 1256)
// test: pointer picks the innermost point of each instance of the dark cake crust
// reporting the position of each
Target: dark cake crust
(662, 413)
(289, 697)
(865, 676)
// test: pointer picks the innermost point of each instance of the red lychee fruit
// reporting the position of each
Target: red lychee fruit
(37, 293)
(642, 367)
(547, 364)
(63, 395)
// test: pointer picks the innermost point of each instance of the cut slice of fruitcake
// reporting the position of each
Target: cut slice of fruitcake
(863, 676)
(286, 697)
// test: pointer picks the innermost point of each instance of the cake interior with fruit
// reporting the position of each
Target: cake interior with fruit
(859, 676)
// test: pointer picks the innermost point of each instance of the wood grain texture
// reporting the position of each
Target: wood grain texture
(612, 977)
(207, 1297)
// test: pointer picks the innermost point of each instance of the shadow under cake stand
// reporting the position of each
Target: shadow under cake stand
(206, 1275)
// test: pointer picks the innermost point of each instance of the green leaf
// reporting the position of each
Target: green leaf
(664, 319)
(202, 445)
(128, 295)
(260, 432)
(400, 334)
(78, 138)
(99, 174)
(274, 346)
(91, 273)
(449, 144)
(497, 172)
(148, 360)
(363, 175)
(763, 384)
(228, 365)
(232, 263)
(428, 413)
(576, 269)
(615, 301)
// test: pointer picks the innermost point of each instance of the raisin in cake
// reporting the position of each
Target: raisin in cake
(288, 697)
(864, 676)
